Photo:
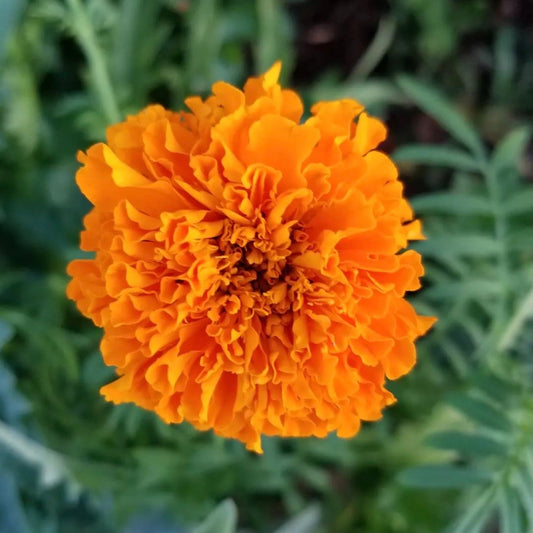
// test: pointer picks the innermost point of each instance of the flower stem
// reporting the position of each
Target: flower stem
(85, 35)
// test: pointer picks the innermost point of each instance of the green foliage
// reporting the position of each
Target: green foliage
(455, 454)
(223, 519)
(483, 267)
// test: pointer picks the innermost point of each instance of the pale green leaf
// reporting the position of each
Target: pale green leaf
(508, 151)
(6, 332)
(223, 519)
(468, 444)
(50, 466)
(436, 155)
(12, 516)
(10, 12)
(450, 203)
(476, 515)
(307, 521)
(462, 245)
(274, 35)
(452, 290)
(372, 92)
(510, 518)
(525, 492)
(482, 412)
(520, 202)
(443, 476)
(436, 106)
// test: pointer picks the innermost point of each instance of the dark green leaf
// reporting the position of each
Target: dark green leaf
(469, 444)
(520, 202)
(436, 155)
(443, 476)
(433, 103)
(482, 412)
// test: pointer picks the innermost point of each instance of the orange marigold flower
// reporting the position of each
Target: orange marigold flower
(248, 270)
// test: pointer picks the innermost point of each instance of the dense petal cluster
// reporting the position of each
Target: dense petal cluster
(249, 271)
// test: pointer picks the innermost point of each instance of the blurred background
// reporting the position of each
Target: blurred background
(453, 79)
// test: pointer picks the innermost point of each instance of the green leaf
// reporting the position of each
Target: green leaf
(223, 519)
(525, 492)
(12, 516)
(445, 290)
(306, 521)
(273, 39)
(433, 103)
(477, 514)
(436, 155)
(450, 203)
(204, 44)
(6, 333)
(371, 93)
(510, 519)
(10, 12)
(520, 202)
(462, 245)
(49, 465)
(13, 406)
(521, 240)
(443, 476)
(482, 412)
(508, 151)
(469, 444)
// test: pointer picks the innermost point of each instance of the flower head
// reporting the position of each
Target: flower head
(249, 271)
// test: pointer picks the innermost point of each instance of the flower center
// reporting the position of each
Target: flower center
(255, 266)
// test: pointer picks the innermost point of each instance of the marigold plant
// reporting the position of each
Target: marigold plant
(249, 271)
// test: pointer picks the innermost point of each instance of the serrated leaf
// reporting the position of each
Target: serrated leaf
(462, 245)
(452, 204)
(223, 519)
(436, 106)
(508, 151)
(443, 476)
(436, 155)
(469, 444)
(482, 412)
(477, 514)
(520, 202)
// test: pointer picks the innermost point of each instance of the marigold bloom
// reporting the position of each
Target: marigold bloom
(248, 271)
